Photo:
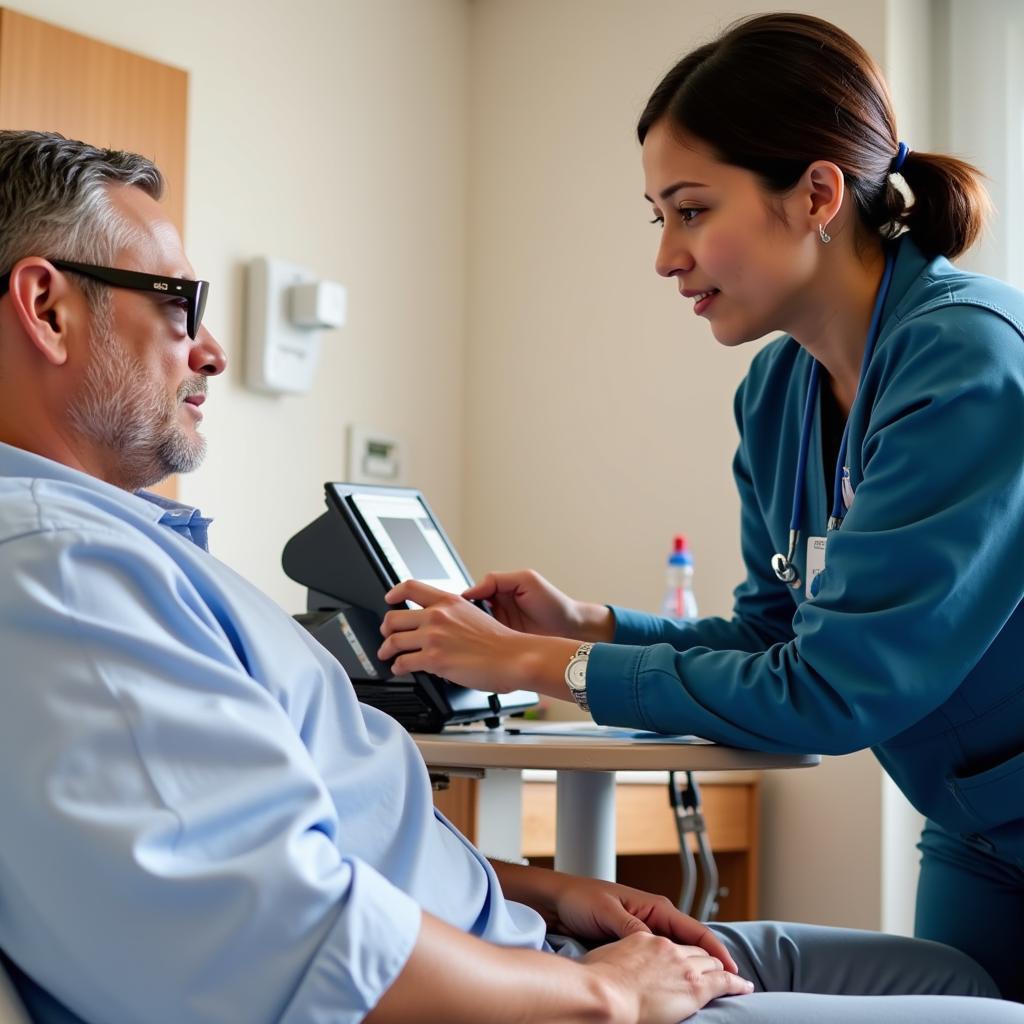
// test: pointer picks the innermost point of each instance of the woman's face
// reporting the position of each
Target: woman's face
(719, 235)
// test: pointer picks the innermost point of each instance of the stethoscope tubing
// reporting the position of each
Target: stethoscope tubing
(782, 565)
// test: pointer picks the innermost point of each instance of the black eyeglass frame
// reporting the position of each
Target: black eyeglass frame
(194, 292)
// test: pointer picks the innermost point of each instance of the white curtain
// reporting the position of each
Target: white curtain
(979, 88)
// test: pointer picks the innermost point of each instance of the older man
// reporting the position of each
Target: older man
(200, 822)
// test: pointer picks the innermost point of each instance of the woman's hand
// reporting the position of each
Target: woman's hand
(528, 603)
(454, 639)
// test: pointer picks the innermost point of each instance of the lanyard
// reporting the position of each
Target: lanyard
(783, 564)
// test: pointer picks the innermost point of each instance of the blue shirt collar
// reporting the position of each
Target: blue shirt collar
(910, 264)
(182, 519)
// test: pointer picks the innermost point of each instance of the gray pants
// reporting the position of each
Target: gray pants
(807, 974)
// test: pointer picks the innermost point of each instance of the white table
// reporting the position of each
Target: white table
(586, 758)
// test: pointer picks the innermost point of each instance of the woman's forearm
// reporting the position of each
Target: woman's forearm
(596, 623)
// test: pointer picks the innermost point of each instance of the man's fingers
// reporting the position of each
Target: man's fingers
(714, 945)
(709, 973)
(619, 921)
(724, 983)
(684, 928)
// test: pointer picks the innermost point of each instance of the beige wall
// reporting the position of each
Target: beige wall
(599, 409)
(330, 134)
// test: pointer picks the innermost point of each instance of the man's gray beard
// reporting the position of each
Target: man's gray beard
(124, 412)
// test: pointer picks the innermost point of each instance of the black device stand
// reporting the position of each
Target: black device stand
(334, 558)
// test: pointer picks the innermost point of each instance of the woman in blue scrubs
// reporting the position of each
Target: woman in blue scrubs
(880, 470)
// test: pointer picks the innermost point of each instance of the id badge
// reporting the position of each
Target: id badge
(815, 563)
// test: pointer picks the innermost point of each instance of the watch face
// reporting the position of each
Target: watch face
(576, 673)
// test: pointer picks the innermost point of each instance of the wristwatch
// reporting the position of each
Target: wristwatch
(576, 675)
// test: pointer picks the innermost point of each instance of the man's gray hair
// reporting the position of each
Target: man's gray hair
(54, 200)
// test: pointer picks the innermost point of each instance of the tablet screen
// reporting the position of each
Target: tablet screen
(408, 541)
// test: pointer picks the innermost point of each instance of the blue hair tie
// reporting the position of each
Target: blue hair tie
(899, 159)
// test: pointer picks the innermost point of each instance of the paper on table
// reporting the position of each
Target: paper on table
(590, 730)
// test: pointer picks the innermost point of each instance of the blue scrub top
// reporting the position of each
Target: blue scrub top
(914, 641)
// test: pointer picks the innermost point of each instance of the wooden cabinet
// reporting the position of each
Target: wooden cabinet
(55, 80)
(646, 840)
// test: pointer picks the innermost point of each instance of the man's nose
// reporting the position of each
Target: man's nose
(206, 356)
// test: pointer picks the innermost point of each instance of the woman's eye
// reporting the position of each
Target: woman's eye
(687, 214)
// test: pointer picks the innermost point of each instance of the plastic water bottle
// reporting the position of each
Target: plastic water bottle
(679, 602)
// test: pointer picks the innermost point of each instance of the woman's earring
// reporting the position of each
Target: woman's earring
(825, 237)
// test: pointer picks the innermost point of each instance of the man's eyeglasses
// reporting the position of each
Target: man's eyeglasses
(193, 292)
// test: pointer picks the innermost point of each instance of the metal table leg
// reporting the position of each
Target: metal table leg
(585, 823)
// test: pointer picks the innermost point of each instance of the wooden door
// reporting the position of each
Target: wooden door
(52, 79)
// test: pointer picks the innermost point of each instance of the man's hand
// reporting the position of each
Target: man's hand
(659, 981)
(594, 910)
(528, 603)
(642, 979)
(591, 909)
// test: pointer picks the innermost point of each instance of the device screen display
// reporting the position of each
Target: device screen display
(409, 541)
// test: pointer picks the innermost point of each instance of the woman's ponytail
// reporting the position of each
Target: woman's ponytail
(951, 204)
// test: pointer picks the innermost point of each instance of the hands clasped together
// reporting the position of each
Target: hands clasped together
(665, 964)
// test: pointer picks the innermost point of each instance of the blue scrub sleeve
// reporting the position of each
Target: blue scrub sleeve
(920, 579)
(183, 856)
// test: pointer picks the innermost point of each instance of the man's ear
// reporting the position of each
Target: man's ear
(45, 305)
(822, 189)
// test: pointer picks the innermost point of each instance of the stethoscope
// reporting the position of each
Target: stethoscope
(782, 564)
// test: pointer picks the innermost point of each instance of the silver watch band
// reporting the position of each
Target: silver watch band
(579, 693)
